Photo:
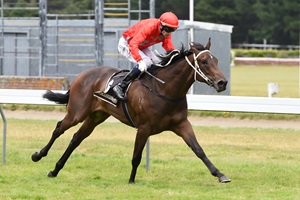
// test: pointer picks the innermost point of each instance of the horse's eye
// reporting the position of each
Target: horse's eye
(203, 61)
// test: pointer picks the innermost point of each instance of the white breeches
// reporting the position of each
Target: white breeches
(147, 55)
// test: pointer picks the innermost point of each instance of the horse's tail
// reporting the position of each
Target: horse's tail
(57, 97)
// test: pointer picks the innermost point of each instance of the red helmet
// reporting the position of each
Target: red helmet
(169, 19)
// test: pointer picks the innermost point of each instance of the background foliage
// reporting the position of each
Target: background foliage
(271, 53)
(277, 21)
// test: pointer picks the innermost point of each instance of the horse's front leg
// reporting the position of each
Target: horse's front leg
(186, 132)
(140, 141)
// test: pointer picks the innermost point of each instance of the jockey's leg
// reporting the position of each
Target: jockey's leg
(134, 73)
(119, 88)
(123, 49)
(151, 55)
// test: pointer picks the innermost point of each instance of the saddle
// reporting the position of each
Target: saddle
(108, 94)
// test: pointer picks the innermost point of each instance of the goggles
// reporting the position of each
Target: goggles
(168, 29)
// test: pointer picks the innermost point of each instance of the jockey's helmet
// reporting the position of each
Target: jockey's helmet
(169, 19)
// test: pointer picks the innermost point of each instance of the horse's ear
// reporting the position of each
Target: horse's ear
(191, 44)
(193, 48)
(208, 45)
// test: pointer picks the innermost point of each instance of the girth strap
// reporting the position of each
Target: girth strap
(126, 112)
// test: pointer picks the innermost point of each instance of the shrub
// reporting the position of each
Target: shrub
(270, 53)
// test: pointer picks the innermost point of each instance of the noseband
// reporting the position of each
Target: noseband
(197, 67)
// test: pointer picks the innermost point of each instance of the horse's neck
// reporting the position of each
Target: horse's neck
(178, 79)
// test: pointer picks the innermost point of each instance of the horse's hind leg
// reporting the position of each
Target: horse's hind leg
(61, 127)
(85, 130)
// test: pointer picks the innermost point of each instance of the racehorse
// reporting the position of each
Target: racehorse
(154, 106)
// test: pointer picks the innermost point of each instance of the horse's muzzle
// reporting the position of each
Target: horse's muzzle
(221, 85)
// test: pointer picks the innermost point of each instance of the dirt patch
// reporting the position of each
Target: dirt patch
(195, 120)
(235, 122)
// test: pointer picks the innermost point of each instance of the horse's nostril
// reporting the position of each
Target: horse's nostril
(222, 83)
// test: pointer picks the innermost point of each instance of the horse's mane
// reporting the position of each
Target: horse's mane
(182, 53)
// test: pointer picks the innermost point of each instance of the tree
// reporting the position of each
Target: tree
(245, 20)
(279, 21)
(70, 6)
(254, 20)
(179, 7)
(216, 11)
(21, 12)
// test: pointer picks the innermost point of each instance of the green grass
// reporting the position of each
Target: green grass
(262, 163)
(253, 80)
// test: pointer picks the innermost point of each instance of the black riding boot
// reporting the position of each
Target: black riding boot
(119, 88)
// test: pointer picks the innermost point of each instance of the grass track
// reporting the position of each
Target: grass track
(262, 163)
(253, 80)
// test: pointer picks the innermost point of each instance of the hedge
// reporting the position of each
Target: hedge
(266, 53)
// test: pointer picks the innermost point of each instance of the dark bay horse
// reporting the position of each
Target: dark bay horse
(153, 106)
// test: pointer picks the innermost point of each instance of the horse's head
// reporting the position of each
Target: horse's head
(206, 66)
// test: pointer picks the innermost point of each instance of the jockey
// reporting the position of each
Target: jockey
(135, 42)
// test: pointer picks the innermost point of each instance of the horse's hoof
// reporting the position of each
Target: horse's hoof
(35, 157)
(224, 179)
(131, 182)
(51, 175)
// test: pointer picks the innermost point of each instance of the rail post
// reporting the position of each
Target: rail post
(99, 34)
(43, 35)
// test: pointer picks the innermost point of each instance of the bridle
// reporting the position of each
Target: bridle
(197, 67)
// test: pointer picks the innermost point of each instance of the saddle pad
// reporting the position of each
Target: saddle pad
(108, 94)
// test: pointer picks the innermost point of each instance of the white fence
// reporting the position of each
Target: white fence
(244, 104)
(195, 102)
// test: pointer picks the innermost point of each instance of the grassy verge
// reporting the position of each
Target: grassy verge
(253, 80)
(262, 163)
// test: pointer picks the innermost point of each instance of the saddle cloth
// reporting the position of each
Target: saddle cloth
(108, 94)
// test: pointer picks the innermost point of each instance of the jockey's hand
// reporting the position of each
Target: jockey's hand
(142, 66)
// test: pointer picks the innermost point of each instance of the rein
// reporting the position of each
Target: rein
(197, 67)
(161, 96)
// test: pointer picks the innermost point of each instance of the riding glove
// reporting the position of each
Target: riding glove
(142, 66)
